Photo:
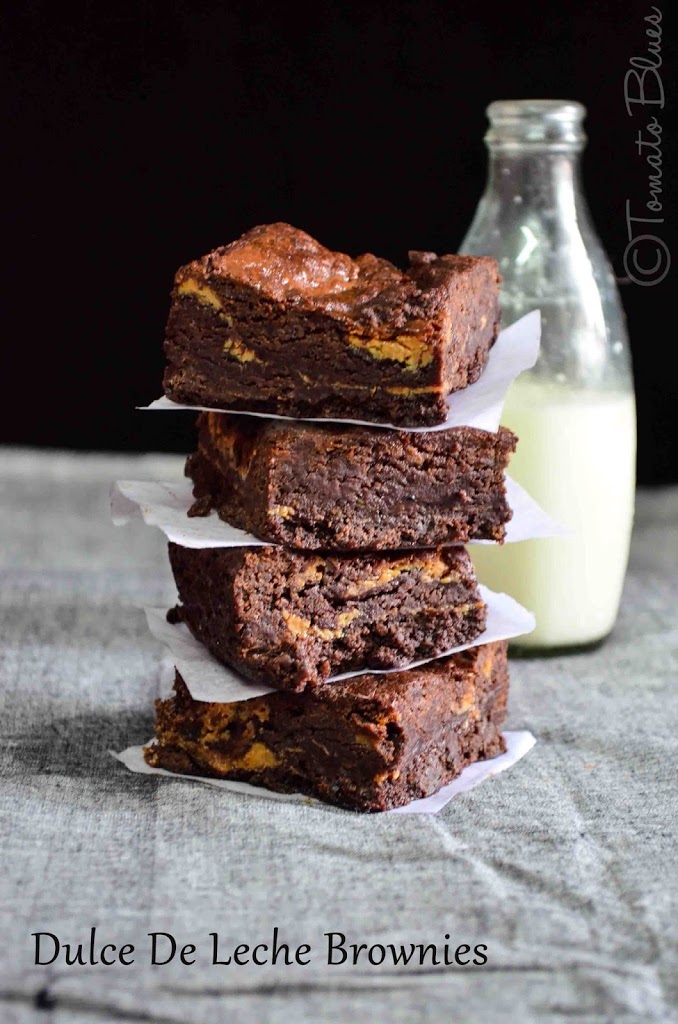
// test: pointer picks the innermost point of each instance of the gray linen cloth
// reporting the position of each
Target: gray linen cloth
(564, 866)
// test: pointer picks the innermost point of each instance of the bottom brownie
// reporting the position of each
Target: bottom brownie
(368, 743)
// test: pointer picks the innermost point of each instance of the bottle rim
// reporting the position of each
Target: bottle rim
(536, 123)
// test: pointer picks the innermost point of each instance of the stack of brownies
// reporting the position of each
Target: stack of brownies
(363, 566)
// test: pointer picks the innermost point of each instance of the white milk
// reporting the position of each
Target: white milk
(576, 456)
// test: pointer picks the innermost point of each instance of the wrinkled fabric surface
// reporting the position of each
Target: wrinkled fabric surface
(565, 867)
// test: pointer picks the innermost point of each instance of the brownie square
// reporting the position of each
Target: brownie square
(275, 322)
(339, 488)
(291, 620)
(369, 743)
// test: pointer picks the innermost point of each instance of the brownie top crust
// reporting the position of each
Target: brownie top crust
(288, 266)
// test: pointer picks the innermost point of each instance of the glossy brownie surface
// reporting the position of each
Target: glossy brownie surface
(275, 322)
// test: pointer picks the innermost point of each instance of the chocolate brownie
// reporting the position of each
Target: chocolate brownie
(290, 620)
(368, 743)
(274, 322)
(315, 486)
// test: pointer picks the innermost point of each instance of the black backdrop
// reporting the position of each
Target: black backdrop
(141, 135)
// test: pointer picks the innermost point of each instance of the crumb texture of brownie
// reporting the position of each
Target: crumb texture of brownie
(345, 488)
(290, 620)
(367, 743)
(277, 323)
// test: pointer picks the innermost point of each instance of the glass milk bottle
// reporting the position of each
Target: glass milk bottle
(574, 413)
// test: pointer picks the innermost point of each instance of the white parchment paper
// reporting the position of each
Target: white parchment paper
(210, 681)
(166, 506)
(479, 405)
(518, 744)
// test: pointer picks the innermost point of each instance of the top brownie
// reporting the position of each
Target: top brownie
(275, 322)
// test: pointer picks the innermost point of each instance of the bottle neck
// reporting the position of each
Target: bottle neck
(534, 148)
(534, 220)
(543, 177)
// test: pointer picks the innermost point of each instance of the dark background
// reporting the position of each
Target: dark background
(139, 136)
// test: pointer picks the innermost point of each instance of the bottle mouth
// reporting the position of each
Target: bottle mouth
(545, 124)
